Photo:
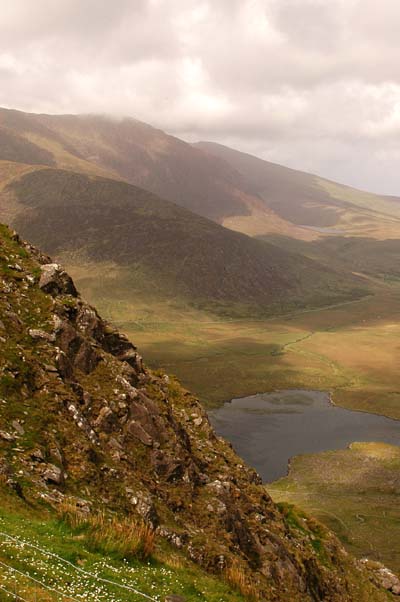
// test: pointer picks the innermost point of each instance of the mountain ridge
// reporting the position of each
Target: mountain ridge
(208, 179)
(308, 200)
(69, 214)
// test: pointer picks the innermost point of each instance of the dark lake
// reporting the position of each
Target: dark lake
(268, 429)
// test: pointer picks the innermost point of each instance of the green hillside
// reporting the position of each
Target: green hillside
(324, 207)
(160, 249)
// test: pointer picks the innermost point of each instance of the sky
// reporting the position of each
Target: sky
(311, 84)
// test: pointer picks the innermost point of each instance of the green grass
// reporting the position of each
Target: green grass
(354, 492)
(365, 200)
(164, 573)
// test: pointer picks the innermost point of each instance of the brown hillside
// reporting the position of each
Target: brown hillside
(102, 220)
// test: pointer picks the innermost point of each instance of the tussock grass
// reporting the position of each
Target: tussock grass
(126, 537)
(39, 526)
(236, 577)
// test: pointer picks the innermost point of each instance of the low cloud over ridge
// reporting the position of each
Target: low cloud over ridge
(313, 84)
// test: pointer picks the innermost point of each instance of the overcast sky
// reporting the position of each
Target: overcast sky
(313, 84)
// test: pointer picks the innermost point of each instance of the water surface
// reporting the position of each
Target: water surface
(268, 429)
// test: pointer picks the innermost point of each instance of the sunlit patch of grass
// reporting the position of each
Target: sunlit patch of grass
(354, 492)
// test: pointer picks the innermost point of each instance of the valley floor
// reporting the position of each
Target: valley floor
(349, 349)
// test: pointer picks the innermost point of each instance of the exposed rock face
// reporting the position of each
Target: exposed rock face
(53, 475)
(54, 280)
(36, 333)
(108, 432)
(382, 576)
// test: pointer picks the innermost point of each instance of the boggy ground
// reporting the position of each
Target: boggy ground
(353, 491)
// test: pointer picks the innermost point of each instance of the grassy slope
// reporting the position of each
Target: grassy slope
(162, 249)
(138, 153)
(305, 199)
(354, 492)
(167, 572)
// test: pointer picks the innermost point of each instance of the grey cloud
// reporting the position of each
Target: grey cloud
(311, 24)
(311, 83)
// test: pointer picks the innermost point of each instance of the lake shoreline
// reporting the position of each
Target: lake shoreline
(268, 429)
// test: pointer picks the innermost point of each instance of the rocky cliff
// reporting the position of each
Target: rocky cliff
(83, 420)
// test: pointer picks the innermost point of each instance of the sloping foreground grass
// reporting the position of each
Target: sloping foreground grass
(164, 572)
(355, 492)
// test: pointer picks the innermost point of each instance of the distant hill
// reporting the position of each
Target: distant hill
(144, 156)
(163, 249)
(237, 190)
(134, 151)
(322, 206)
(286, 191)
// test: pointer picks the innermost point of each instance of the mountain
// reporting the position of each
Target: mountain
(374, 259)
(128, 149)
(322, 206)
(92, 441)
(237, 190)
(358, 232)
(156, 246)
(140, 154)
